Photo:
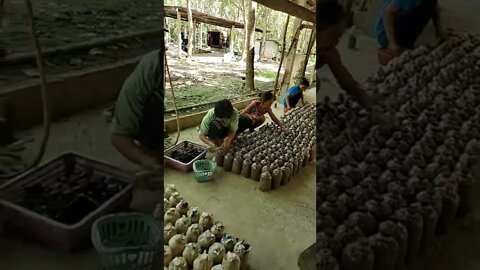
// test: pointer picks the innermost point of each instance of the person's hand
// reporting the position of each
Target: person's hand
(364, 98)
(226, 143)
(150, 164)
(254, 118)
(394, 48)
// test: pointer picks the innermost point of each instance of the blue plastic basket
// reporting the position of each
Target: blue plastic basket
(204, 170)
(128, 241)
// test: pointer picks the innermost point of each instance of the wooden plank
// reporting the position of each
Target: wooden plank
(170, 11)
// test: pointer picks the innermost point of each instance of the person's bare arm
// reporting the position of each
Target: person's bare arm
(130, 150)
(388, 20)
(341, 73)
(206, 140)
(227, 142)
(248, 109)
(438, 23)
(287, 99)
(274, 118)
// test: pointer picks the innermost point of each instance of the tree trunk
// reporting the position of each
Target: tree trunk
(245, 31)
(290, 60)
(190, 30)
(284, 42)
(307, 54)
(200, 36)
(250, 70)
(179, 33)
(232, 39)
(195, 30)
(264, 34)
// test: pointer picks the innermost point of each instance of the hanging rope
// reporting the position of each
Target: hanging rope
(174, 101)
(43, 91)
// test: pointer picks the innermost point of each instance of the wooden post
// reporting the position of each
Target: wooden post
(179, 33)
(313, 76)
(284, 37)
(190, 29)
(232, 39)
(250, 70)
(194, 40)
(290, 60)
(200, 36)
(307, 54)
(261, 55)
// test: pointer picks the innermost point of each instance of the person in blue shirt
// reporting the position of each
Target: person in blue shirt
(401, 22)
(294, 95)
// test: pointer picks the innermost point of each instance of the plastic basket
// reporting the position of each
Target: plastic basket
(178, 165)
(204, 170)
(128, 241)
(64, 237)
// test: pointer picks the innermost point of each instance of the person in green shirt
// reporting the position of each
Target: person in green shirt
(219, 126)
(137, 126)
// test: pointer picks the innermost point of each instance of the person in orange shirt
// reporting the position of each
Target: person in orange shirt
(253, 116)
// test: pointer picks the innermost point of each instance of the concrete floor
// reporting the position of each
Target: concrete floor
(279, 224)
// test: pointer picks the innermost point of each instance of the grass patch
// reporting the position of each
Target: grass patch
(268, 74)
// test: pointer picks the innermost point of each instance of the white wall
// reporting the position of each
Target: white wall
(271, 50)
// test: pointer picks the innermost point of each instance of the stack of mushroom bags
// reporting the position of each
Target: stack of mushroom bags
(193, 240)
(271, 156)
(392, 177)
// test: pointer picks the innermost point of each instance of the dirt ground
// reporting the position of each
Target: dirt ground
(60, 23)
(206, 78)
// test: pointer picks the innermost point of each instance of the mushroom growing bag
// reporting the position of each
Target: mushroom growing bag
(194, 214)
(182, 224)
(171, 216)
(178, 263)
(217, 230)
(167, 255)
(182, 207)
(202, 262)
(175, 198)
(229, 241)
(206, 239)
(177, 244)
(231, 261)
(191, 252)
(169, 190)
(216, 252)
(193, 233)
(206, 221)
(168, 232)
(242, 249)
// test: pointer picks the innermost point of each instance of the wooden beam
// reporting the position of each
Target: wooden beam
(171, 12)
(289, 8)
(308, 26)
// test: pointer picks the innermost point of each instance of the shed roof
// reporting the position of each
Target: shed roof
(171, 11)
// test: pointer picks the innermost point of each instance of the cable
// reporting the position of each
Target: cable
(174, 101)
(43, 91)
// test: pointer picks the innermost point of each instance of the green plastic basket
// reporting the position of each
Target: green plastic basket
(204, 170)
(128, 241)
